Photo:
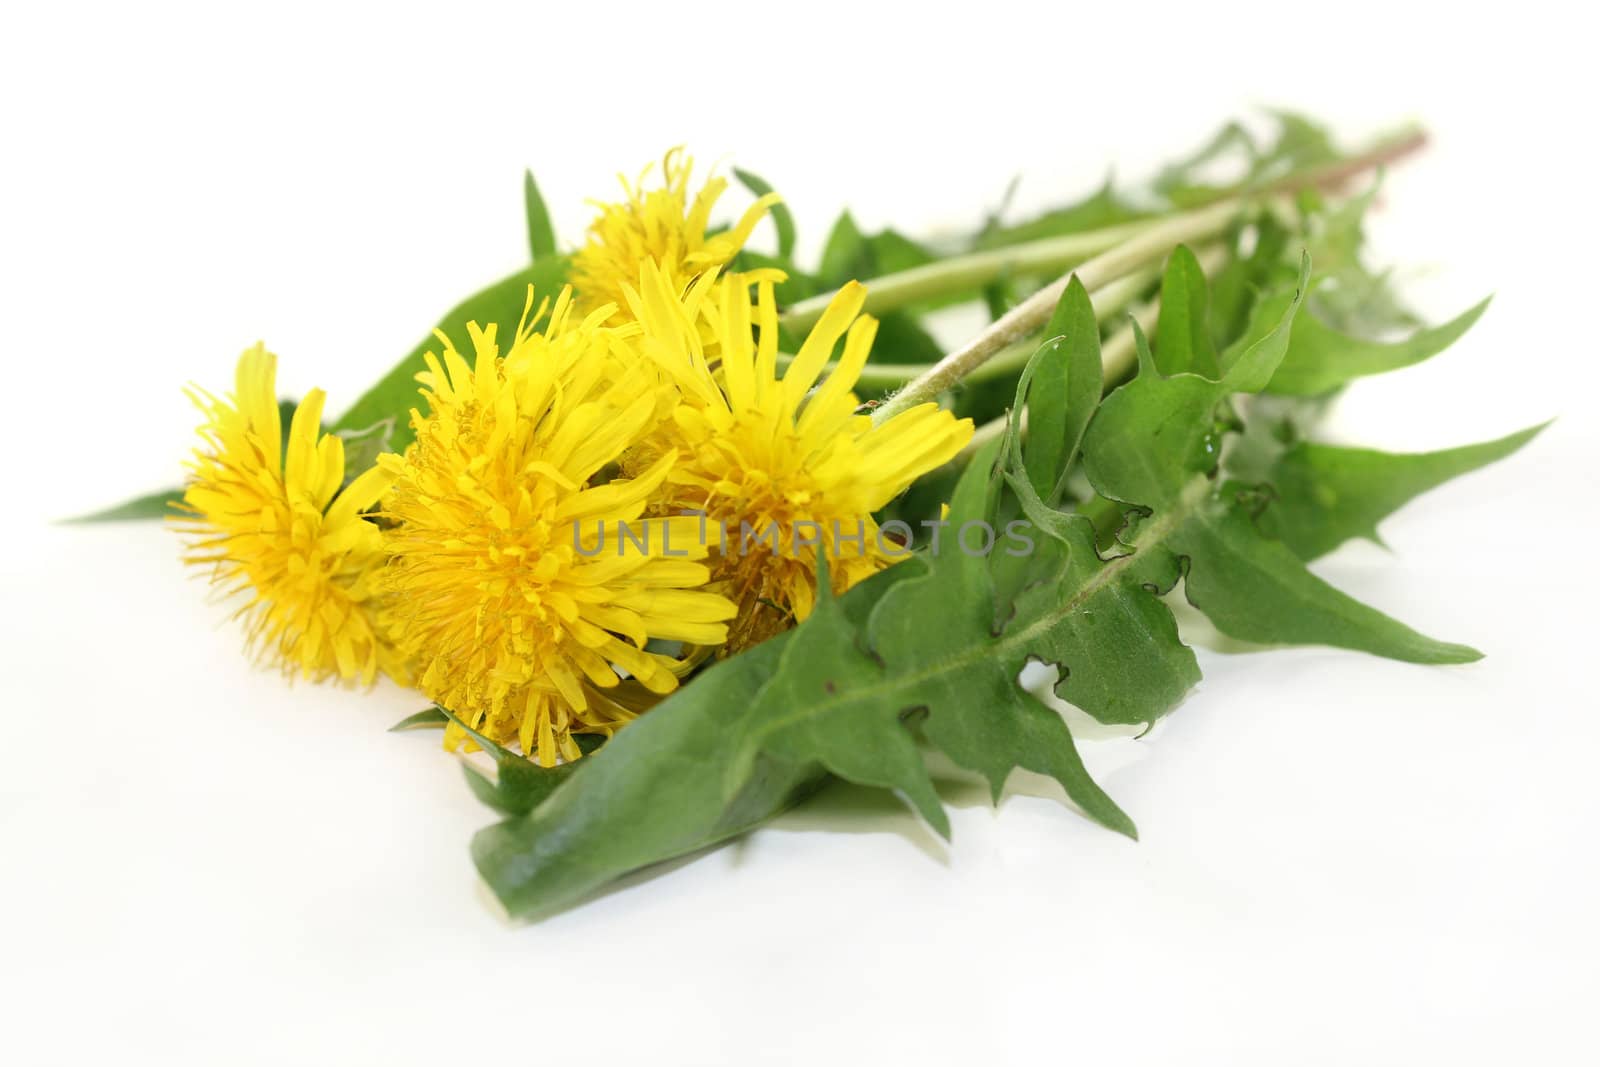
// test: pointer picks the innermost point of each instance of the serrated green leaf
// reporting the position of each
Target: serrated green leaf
(927, 653)
(1155, 444)
(782, 218)
(157, 505)
(1322, 495)
(1060, 389)
(1151, 437)
(1255, 589)
(1183, 330)
(1321, 359)
(931, 650)
(1123, 660)
(396, 393)
(841, 704)
(541, 234)
(930, 647)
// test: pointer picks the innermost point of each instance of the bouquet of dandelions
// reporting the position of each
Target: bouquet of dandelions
(679, 530)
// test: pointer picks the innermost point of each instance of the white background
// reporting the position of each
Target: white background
(1344, 860)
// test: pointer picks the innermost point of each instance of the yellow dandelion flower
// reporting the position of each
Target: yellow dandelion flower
(526, 598)
(779, 464)
(272, 522)
(662, 226)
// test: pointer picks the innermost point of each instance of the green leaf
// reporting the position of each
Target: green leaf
(1101, 209)
(1183, 332)
(841, 702)
(653, 793)
(1321, 359)
(893, 251)
(1299, 143)
(1255, 589)
(930, 650)
(1000, 296)
(1061, 386)
(426, 719)
(541, 234)
(1183, 175)
(1155, 444)
(1152, 436)
(1252, 363)
(782, 218)
(396, 394)
(843, 252)
(521, 785)
(1246, 274)
(157, 505)
(1123, 661)
(485, 789)
(850, 254)
(1324, 495)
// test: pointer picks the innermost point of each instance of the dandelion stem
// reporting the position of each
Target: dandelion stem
(963, 273)
(876, 376)
(1117, 356)
(1022, 320)
(1150, 243)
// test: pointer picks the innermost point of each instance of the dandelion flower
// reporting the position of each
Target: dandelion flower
(661, 226)
(781, 465)
(529, 590)
(272, 522)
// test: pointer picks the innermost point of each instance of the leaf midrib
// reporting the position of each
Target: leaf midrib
(1187, 499)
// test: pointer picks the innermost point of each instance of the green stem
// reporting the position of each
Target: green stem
(963, 273)
(1148, 246)
(1117, 356)
(877, 376)
(1108, 300)
(959, 274)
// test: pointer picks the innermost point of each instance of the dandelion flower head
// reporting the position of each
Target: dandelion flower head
(275, 522)
(660, 225)
(526, 608)
(768, 450)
